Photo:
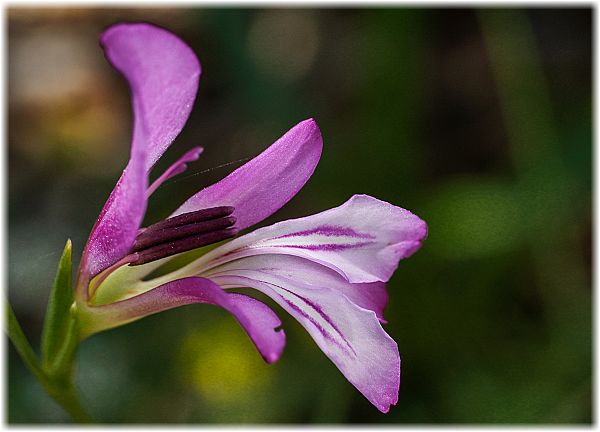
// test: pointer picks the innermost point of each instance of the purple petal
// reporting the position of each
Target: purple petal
(259, 321)
(363, 240)
(262, 186)
(118, 222)
(163, 75)
(349, 335)
(175, 169)
(372, 296)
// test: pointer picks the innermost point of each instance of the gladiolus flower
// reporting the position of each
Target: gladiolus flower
(327, 270)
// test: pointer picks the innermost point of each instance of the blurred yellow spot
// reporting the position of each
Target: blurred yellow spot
(222, 365)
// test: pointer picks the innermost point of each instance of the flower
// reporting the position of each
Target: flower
(327, 270)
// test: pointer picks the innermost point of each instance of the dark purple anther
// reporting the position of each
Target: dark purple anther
(182, 245)
(183, 233)
(155, 237)
(191, 217)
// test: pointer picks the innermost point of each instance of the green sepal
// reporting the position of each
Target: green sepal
(61, 366)
(59, 324)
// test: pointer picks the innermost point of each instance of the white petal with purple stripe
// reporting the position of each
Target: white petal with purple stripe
(363, 240)
(349, 335)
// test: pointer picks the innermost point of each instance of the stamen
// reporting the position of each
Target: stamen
(183, 233)
(191, 217)
(182, 245)
(153, 237)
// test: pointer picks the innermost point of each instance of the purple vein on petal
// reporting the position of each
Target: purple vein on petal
(328, 231)
(319, 311)
(322, 247)
(328, 247)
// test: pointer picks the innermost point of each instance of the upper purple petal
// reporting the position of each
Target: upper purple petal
(163, 74)
(262, 186)
(363, 240)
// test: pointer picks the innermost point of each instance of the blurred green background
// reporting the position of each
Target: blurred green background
(479, 121)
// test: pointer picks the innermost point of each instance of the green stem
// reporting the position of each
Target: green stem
(19, 340)
(61, 389)
(66, 396)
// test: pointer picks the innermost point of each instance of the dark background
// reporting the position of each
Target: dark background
(479, 121)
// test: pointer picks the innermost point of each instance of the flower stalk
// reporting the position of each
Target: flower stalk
(58, 379)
